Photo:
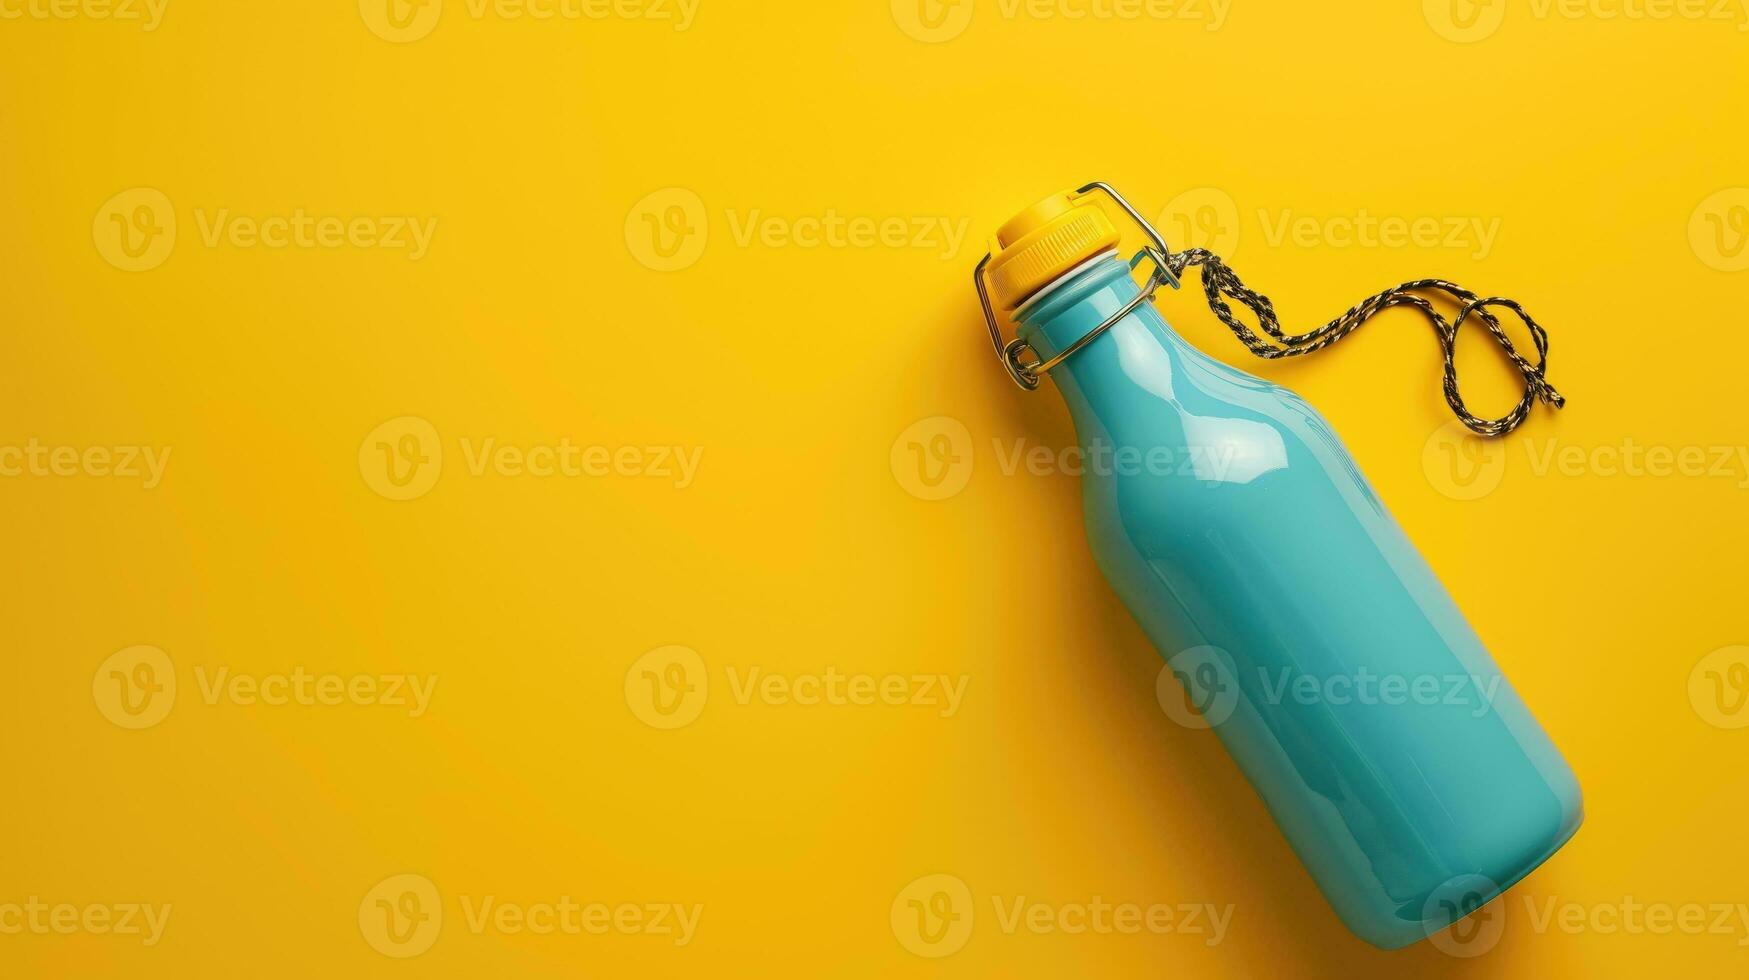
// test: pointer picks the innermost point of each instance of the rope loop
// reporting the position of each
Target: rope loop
(1220, 283)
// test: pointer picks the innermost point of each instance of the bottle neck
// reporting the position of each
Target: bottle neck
(1099, 381)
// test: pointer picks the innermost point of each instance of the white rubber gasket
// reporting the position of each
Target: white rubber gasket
(1060, 280)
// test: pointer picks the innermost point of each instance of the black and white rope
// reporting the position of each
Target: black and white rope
(1219, 282)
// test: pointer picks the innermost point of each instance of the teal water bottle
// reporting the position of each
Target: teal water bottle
(1307, 630)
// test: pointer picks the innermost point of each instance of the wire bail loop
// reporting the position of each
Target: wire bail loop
(1008, 353)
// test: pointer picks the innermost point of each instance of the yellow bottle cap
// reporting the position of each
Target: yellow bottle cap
(1041, 243)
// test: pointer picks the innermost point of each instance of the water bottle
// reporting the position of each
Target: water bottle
(1243, 538)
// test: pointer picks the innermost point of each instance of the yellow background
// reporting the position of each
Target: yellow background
(800, 545)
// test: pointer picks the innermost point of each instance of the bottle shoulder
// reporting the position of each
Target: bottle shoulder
(1223, 450)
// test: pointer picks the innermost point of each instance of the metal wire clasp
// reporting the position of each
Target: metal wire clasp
(1027, 375)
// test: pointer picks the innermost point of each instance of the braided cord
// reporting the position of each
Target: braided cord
(1219, 282)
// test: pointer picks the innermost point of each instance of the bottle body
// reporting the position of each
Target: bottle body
(1310, 634)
